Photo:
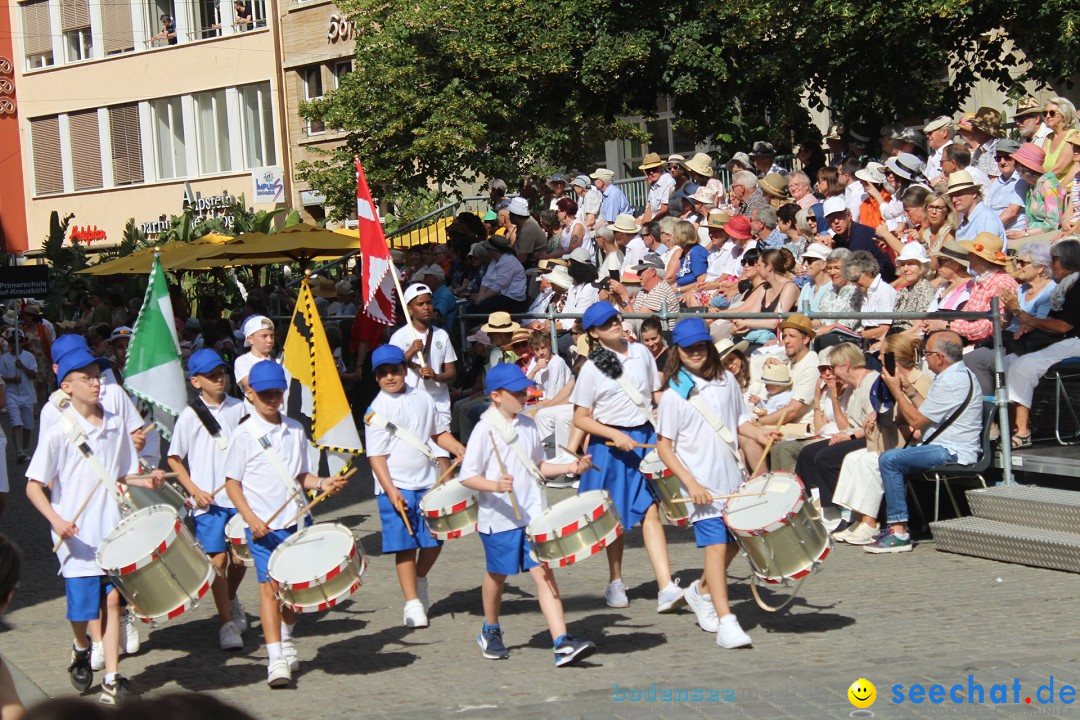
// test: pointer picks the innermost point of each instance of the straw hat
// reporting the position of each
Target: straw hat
(582, 346)
(1027, 106)
(323, 287)
(961, 181)
(726, 347)
(872, 173)
(776, 374)
(625, 223)
(521, 335)
(500, 322)
(939, 123)
(559, 277)
(774, 184)
(650, 161)
(951, 250)
(988, 246)
(718, 219)
(799, 322)
(700, 164)
(704, 195)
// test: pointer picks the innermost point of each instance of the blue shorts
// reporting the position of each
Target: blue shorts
(210, 528)
(262, 548)
(713, 531)
(86, 596)
(507, 552)
(395, 536)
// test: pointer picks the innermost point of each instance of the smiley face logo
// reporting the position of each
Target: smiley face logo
(862, 693)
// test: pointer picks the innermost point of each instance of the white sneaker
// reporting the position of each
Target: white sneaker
(239, 616)
(843, 535)
(862, 534)
(615, 595)
(422, 593)
(414, 615)
(670, 597)
(97, 656)
(229, 637)
(278, 674)
(729, 635)
(702, 607)
(129, 634)
(289, 654)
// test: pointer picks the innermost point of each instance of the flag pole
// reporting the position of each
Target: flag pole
(405, 306)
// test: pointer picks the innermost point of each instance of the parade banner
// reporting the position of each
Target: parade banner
(376, 281)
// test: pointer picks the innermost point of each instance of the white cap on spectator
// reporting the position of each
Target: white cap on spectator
(819, 251)
(835, 204)
(519, 206)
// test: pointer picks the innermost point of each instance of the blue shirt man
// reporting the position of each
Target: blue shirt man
(614, 202)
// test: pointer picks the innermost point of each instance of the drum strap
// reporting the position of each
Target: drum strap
(510, 437)
(210, 423)
(636, 397)
(72, 429)
(714, 421)
(374, 418)
(287, 481)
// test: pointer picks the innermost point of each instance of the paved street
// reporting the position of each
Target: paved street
(926, 617)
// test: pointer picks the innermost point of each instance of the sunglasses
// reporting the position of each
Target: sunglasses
(1004, 158)
(1051, 113)
(1020, 263)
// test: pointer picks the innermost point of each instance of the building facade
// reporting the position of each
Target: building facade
(136, 109)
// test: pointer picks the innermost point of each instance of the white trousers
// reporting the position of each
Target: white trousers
(1023, 372)
(859, 487)
(555, 420)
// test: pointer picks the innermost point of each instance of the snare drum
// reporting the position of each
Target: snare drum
(665, 487)
(450, 510)
(137, 498)
(574, 529)
(234, 533)
(781, 532)
(156, 563)
(317, 567)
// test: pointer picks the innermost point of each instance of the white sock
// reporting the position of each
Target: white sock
(76, 643)
(111, 678)
(286, 630)
(902, 536)
(273, 650)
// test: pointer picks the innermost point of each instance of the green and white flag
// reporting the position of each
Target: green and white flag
(153, 372)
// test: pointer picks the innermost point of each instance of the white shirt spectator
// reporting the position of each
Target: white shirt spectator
(578, 299)
(660, 190)
(853, 197)
(880, 297)
(946, 393)
(933, 164)
(552, 378)
(633, 253)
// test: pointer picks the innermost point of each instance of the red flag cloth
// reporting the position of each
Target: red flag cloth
(376, 283)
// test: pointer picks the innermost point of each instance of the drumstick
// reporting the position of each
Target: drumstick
(167, 476)
(680, 501)
(78, 513)
(404, 517)
(291, 498)
(609, 443)
(446, 474)
(579, 457)
(318, 500)
(768, 445)
(502, 468)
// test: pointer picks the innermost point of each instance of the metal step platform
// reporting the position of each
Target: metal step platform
(1028, 506)
(995, 540)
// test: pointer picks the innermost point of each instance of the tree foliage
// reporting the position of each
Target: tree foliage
(445, 89)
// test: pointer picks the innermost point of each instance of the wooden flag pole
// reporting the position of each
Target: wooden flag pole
(405, 307)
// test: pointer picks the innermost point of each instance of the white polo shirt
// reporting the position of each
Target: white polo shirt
(59, 466)
(496, 512)
(191, 441)
(22, 391)
(609, 403)
(112, 397)
(414, 412)
(246, 463)
(698, 446)
(440, 353)
(553, 378)
(880, 297)
(804, 377)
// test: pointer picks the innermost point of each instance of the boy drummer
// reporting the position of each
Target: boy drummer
(201, 437)
(266, 468)
(404, 472)
(502, 532)
(59, 465)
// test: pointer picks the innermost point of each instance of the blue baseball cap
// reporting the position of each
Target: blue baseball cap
(66, 343)
(203, 362)
(76, 359)
(387, 355)
(690, 331)
(506, 376)
(598, 314)
(267, 375)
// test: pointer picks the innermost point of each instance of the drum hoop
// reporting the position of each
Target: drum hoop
(154, 553)
(454, 534)
(454, 509)
(583, 520)
(593, 549)
(302, 608)
(775, 525)
(330, 574)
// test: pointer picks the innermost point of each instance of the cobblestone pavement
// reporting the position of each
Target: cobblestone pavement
(921, 618)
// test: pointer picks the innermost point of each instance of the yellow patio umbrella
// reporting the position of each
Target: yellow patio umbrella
(173, 256)
(298, 243)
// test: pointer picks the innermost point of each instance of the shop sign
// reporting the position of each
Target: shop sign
(86, 234)
(203, 208)
(268, 184)
(339, 29)
(23, 281)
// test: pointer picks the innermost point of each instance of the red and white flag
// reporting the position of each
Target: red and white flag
(376, 282)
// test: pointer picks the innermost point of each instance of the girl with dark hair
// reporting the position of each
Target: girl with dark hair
(613, 402)
(701, 415)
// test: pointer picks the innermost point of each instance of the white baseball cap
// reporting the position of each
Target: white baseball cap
(835, 204)
(254, 324)
(416, 289)
(519, 206)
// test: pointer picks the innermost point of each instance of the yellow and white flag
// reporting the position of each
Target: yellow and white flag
(316, 397)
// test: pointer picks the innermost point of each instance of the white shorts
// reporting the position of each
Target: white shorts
(21, 412)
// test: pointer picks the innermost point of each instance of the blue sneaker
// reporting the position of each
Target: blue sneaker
(887, 542)
(491, 643)
(570, 650)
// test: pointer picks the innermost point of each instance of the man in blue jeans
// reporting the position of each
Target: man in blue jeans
(954, 387)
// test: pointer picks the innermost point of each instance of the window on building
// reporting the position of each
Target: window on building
(85, 150)
(341, 69)
(48, 165)
(206, 19)
(311, 78)
(75, 25)
(249, 14)
(119, 37)
(258, 125)
(126, 144)
(169, 146)
(213, 121)
(161, 20)
(37, 34)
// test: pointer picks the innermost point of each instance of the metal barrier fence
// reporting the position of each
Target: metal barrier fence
(993, 315)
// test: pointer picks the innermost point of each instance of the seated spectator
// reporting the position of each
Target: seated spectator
(582, 293)
(831, 397)
(504, 283)
(913, 267)
(1042, 198)
(1007, 192)
(651, 336)
(874, 294)
(777, 382)
(655, 294)
(838, 299)
(1046, 341)
(734, 359)
(694, 259)
(855, 236)
(552, 411)
(813, 262)
(987, 262)
(950, 421)
(954, 283)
